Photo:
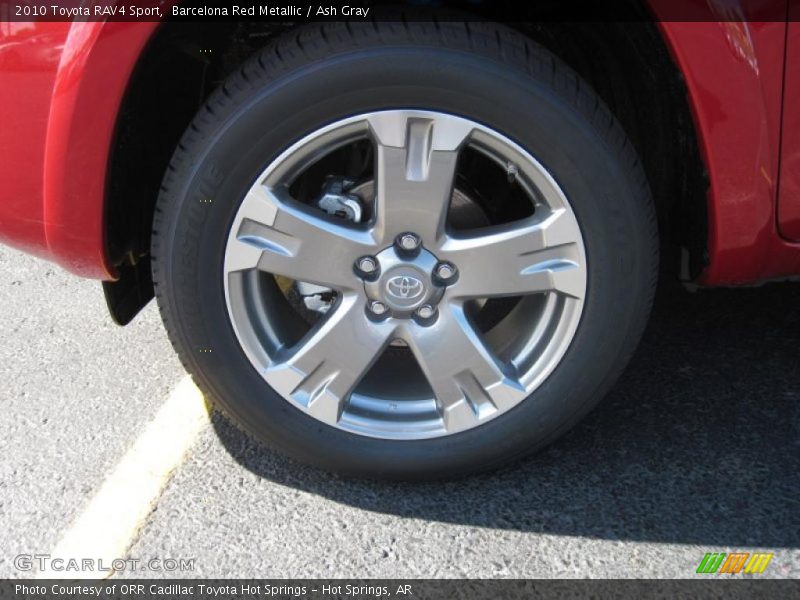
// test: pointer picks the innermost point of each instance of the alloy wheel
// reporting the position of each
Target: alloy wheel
(416, 328)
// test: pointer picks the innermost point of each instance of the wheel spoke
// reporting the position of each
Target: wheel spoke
(468, 381)
(535, 255)
(415, 166)
(321, 371)
(278, 236)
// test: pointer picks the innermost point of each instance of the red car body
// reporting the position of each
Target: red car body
(62, 83)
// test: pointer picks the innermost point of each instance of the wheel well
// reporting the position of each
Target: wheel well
(627, 64)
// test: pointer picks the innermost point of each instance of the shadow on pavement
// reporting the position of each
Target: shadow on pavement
(698, 443)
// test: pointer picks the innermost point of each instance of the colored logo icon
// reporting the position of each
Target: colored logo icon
(736, 562)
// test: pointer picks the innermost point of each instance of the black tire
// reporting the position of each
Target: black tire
(481, 71)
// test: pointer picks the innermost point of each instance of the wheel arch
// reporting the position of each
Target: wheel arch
(187, 61)
(733, 72)
(90, 81)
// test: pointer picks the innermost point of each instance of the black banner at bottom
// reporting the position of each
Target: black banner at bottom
(411, 589)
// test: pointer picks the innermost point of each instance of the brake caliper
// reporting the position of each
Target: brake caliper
(336, 200)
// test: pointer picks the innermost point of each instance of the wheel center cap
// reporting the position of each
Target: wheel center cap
(405, 283)
(404, 288)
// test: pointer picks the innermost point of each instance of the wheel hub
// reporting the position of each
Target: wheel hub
(404, 283)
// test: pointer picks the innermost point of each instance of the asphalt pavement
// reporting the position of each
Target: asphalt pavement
(695, 450)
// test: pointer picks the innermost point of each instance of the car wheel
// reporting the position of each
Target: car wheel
(405, 250)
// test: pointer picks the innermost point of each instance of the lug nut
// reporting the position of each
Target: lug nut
(445, 271)
(426, 311)
(367, 264)
(378, 308)
(408, 241)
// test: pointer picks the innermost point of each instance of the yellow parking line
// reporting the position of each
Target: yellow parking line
(109, 523)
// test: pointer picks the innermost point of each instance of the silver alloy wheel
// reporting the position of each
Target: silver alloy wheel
(470, 376)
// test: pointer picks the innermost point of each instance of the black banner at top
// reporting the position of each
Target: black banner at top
(396, 10)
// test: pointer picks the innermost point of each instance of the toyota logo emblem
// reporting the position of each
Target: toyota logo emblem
(404, 287)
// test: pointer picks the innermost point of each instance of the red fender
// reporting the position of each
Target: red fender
(95, 67)
(734, 72)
